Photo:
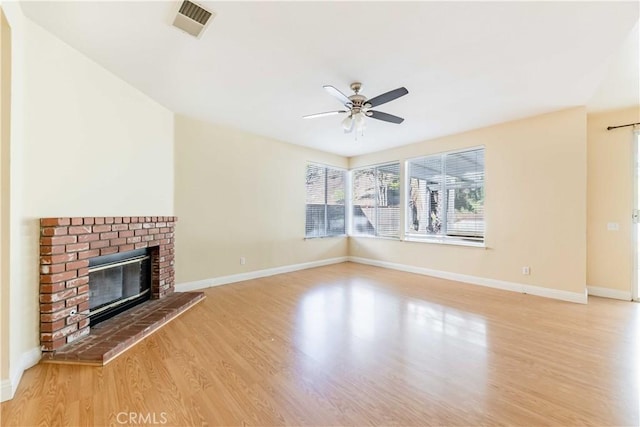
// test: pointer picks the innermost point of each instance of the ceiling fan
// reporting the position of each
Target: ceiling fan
(358, 107)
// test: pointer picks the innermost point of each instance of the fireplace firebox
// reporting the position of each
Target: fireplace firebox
(118, 282)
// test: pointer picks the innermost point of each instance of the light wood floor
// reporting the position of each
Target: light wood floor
(356, 345)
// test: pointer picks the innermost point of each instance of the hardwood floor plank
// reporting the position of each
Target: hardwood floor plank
(350, 344)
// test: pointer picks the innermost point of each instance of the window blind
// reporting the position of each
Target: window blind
(376, 201)
(446, 196)
(325, 201)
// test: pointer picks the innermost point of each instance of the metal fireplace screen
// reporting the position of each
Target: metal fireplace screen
(118, 282)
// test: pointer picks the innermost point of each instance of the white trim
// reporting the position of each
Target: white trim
(9, 386)
(635, 285)
(224, 280)
(6, 391)
(576, 297)
(597, 291)
(371, 236)
(377, 165)
(458, 150)
(333, 236)
(348, 203)
(325, 165)
(445, 241)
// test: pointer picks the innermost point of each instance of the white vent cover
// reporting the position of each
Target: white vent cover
(192, 19)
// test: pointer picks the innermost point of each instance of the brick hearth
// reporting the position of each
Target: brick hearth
(67, 244)
(114, 336)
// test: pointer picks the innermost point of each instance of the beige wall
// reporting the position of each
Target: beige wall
(239, 194)
(84, 143)
(108, 143)
(610, 199)
(535, 205)
(5, 119)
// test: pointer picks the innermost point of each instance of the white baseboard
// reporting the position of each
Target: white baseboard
(597, 291)
(576, 297)
(224, 280)
(6, 390)
(9, 386)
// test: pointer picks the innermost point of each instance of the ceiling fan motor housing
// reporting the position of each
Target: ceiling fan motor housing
(358, 103)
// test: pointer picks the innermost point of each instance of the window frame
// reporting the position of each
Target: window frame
(326, 213)
(376, 166)
(442, 238)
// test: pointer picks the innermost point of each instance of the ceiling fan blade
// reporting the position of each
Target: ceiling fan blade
(338, 95)
(328, 113)
(386, 97)
(384, 117)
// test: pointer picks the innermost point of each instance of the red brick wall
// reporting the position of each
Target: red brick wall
(66, 244)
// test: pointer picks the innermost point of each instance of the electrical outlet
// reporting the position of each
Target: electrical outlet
(243, 260)
(613, 226)
(526, 271)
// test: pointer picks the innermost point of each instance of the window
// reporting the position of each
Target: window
(376, 201)
(445, 196)
(325, 201)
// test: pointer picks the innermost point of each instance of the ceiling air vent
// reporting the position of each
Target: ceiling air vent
(192, 19)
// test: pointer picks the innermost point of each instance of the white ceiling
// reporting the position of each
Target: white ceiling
(261, 66)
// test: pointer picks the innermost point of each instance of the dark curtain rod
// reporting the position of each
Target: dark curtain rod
(622, 126)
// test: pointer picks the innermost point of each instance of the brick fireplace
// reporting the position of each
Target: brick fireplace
(67, 245)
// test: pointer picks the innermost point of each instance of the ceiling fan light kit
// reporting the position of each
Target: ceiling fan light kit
(358, 107)
(347, 124)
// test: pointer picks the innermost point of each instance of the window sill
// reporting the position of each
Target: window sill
(325, 237)
(452, 242)
(369, 236)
